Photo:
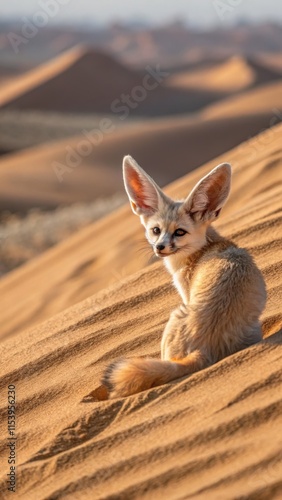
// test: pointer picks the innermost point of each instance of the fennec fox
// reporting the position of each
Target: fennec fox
(222, 290)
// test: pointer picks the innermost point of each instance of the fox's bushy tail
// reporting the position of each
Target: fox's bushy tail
(130, 376)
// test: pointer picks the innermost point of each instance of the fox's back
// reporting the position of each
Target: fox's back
(227, 296)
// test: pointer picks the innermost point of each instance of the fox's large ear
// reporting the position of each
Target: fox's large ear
(209, 195)
(144, 194)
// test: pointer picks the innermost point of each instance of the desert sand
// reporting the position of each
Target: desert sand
(73, 74)
(28, 178)
(216, 434)
(79, 168)
(234, 74)
(83, 80)
(250, 102)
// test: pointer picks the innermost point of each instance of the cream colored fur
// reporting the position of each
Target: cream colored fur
(222, 290)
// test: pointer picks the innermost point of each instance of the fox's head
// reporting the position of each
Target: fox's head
(176, 227)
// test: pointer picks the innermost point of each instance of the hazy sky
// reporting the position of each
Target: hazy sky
(200, 12)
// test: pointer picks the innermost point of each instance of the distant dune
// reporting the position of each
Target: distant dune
(268, 96)
(230, 76)
(215, 434)
(30, 179)
(82, 76)
(170, 147)
(83, 80)
(272, 60)
(88, 164)
(234, 74)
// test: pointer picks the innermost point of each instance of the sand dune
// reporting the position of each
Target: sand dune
(78, 80)
(83, 80)
(232, 75)
(264, 72)
(215, 434)
(42, 176)
(273, 61)
(28, 178)
(253, 101)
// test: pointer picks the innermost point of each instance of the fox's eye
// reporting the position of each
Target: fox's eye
(180, 232)
(156, 230)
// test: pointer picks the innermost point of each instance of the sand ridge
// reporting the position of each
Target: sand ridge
(49, 84)
(249, 102)
(79, 168)
(83, 80)
(29, 178)
(232, 75)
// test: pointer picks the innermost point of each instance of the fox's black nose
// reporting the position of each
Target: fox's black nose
(160, 247)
